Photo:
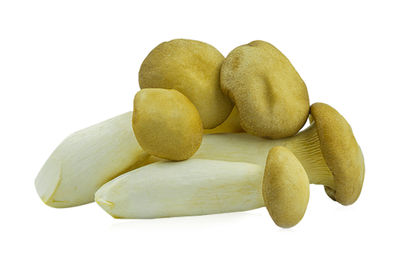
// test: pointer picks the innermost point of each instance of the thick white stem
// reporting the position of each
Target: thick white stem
(243, 147)
(240, 147)
(86, 160)
(191, 187)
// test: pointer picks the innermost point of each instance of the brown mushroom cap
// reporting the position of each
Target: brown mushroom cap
(285, 187)
(166, 124)
(271, 97)
(341, 152)
(192, 68)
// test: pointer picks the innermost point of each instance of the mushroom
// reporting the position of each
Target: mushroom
(192, 68)
(327, 149)
(201, 186)
(86, 160)
(270, 95)
(166, 124)
(285, 187)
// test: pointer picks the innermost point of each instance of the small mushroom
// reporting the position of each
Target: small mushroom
(285, 187)
(192, 68)
(327, 149)
(270, 95)
(166, 124)
(341, 153)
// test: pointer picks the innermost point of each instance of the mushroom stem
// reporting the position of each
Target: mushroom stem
(246, 148)
(306, 147)
(184, 188)
(87, 159)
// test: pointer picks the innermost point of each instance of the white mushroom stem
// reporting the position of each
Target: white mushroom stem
(247, 148)
(191, 187)
(86, 160)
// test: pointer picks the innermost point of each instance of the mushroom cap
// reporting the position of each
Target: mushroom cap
(192, 68)
(166, 124)
(285, 188)
(341, 152)
(270, 95)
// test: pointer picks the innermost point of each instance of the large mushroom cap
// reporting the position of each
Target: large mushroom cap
(285, 187)
(166, 124)
(193, 68)
(270, 95)
(341, 152)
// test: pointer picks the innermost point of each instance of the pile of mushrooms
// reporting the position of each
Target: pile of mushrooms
(208, 135)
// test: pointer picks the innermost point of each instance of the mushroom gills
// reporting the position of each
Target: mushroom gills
(306, 147)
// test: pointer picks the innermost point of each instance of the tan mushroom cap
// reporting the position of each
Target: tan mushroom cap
(285, 188)
(166, 124)
(193, 68)
(341, 152)
(270, 95)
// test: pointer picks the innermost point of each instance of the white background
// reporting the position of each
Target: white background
(65, 65)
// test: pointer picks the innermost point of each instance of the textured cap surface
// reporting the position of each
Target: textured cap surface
(166, 124)
(341, 153)
(285, 187)
(192, 68)
(271, 97)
